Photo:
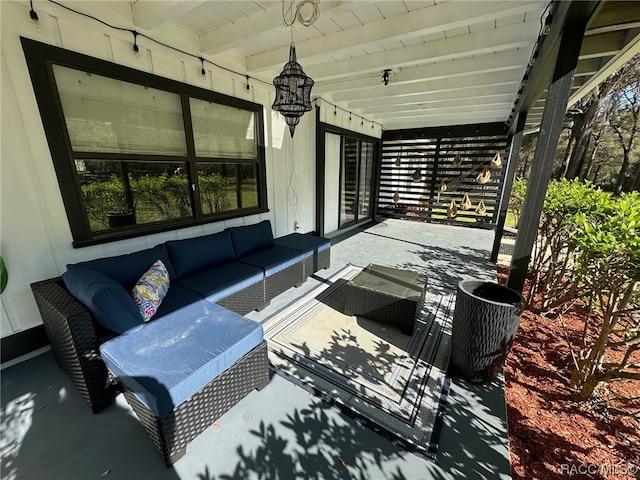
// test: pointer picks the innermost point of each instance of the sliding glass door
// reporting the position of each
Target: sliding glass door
(356, 176)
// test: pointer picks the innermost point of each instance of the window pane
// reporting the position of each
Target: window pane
(349, 180)
(217, 184)
(119, 194)
(366, 173)
(107, 115)
(222, 131)
(249, 186)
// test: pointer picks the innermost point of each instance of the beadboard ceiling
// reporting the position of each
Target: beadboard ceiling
(452, 62)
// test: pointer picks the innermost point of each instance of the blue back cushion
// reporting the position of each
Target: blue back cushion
(108, 301)
(193, 254)
(251, 238)
(127, 269)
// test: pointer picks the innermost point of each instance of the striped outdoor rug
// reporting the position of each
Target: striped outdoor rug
(394, 383)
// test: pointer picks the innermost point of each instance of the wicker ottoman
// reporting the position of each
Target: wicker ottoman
(386, 294)
(183, 371)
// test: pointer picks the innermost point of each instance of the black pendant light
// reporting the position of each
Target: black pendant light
(293, 91)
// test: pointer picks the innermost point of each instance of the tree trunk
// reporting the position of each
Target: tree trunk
(581, 134)
(636, 182)
(623, 172)
(584, 121)
(586, 389)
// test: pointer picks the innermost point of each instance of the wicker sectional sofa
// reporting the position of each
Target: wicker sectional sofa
(197, 356)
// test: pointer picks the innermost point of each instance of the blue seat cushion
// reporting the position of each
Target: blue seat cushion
(274, 259)
(303, 241)
(222, 281)
(194, 254)
(173, 357)
(110, 304)
(127, 269)
(177, 297)
(251, 238)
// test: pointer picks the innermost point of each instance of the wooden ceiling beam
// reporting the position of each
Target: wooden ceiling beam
(417, 23)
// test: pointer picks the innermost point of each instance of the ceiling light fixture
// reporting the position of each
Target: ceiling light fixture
(385, 76)
(293, 86)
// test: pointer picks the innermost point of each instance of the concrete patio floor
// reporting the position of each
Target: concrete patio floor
(282, 432)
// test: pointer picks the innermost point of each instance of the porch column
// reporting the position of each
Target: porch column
(550, 129)
(512, 162)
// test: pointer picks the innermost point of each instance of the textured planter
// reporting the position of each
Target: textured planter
(485, 322)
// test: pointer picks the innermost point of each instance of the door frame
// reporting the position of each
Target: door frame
(321, 130)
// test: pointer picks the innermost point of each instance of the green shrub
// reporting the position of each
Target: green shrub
(553, 254)
(607, 264)
(516, 199)
(155, 198)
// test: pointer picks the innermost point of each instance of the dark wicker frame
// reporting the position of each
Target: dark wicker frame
(72, 332)
(279, 282)
(318, 261)
(246, 300)
(383, 306)
(74, 341)
(172, 432)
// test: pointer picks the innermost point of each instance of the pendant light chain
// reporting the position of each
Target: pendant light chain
(293, 87)
(297, 15)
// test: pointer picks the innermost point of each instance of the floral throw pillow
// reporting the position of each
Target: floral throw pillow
(151, 289)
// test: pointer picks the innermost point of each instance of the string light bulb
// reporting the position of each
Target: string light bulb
(32, 14)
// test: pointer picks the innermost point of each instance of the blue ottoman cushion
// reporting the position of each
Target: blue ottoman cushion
(173, 357)
(274, 259)
(225, 280)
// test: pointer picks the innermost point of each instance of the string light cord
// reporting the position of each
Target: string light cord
(137, 34)
(202, 60)
(336, 108)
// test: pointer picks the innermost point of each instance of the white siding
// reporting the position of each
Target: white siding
(35, 236)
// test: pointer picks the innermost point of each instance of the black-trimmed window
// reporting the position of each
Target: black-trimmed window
(136, 153)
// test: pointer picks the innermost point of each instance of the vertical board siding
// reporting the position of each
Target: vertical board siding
(433, 159)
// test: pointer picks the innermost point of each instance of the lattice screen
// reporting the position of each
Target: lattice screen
(448, 180)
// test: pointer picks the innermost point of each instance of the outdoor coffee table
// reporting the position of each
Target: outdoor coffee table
(386, 294)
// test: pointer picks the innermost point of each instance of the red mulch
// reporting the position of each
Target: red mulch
(551, 436)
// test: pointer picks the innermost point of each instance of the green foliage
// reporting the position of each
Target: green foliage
(516, 200)
(609, 244)
(105, 197)
(213, 193)
(589, 247)
(164, 197)
(155, 198)
(554, 252)
(608, 267)
(4, 275)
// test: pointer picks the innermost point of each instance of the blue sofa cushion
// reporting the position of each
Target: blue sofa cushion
(163, 372)
(251, 238)
(111, 305)
(305, 242)
(127, 269)
(177, 297)
(225, 280)
(193, 254)
(274, 259)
